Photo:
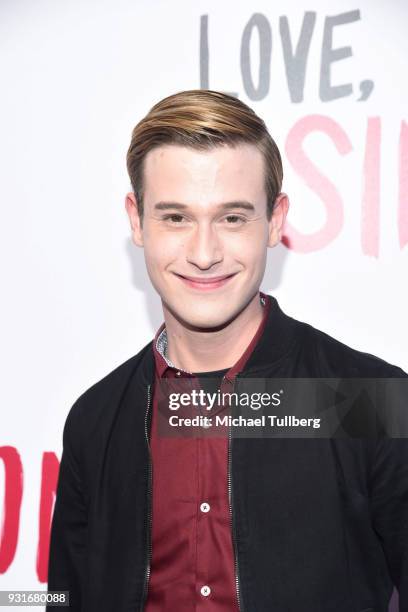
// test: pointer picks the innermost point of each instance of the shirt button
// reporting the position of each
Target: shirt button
(205, 590)
(205, 507)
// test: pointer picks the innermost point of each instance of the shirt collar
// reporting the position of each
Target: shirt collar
(163, 363)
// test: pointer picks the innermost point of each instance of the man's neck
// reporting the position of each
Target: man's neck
(198, 351)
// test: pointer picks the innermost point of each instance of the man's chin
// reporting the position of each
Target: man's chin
(201, 318)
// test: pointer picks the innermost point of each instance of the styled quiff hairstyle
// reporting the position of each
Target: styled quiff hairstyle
(202, 119)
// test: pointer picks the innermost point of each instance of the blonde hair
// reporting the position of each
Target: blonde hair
(202, 119)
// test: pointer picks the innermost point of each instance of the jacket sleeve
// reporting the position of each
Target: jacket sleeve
(389, 498)
(68, 541)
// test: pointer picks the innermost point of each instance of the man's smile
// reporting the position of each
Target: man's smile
(206, 283)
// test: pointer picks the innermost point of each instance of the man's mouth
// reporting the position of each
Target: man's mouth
(206, 283)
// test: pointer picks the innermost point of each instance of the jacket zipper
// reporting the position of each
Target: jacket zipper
(234, 543)
(149, 505)
(149, 500)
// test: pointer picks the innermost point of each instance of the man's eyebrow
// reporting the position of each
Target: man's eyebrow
(242, 204)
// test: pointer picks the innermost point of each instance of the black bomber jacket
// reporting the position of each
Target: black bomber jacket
(319, 525)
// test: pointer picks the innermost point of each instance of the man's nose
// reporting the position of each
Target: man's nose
(204, 247)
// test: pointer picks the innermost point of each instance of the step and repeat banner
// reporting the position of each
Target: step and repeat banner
(330, 82)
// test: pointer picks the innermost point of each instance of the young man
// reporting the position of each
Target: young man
(180, 524)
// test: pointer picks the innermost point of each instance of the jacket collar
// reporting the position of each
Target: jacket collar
(164, 365)
(278, 334)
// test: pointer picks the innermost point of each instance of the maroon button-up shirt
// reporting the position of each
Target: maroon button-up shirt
(192, 565)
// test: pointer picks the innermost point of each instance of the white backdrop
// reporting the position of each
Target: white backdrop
(76, 301)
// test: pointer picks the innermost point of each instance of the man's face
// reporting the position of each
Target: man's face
(205, 231)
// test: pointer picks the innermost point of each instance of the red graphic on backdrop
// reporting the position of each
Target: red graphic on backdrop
(49, 479)
(13, 493)
(320, 184)
(403, 186)
(369, 211)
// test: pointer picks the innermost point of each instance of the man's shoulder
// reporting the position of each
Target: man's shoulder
(336, 358)
(109, 389)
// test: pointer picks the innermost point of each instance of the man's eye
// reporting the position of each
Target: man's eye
(173, 218)
(234, 219)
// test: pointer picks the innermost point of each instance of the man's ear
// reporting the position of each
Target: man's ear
(134, 218)
(277, 220)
